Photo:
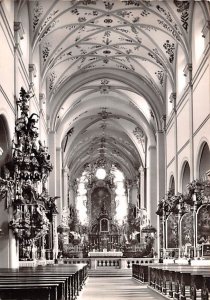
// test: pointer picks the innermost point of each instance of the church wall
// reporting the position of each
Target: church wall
(184, 155)
(193, 123)
(170, 143)
(8, 8)
(201, 136)
(7, 68)
(201, 102)
(14, 67)
(183, 125)
(170, 171)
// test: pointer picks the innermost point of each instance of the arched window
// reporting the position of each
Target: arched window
(81, 200)
(185, 177)
(172, 185)
(5, 148)
(204, 164)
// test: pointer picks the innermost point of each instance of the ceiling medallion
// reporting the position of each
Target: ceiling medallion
(106, 51)
(108, 21)
(104, 81)
(104, 89)
(104, 114)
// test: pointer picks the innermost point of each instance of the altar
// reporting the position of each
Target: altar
(104, 236)
(105, 254)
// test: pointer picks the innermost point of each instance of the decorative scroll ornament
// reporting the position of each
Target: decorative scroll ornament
(29, 168)
(170, 49)
(183, 9)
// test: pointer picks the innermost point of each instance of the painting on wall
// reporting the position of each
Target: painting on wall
(187, 229)
(100, 197)
(203, 224)
(172, 231)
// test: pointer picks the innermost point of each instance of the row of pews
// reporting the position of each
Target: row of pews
(180, 282)
(53, 282)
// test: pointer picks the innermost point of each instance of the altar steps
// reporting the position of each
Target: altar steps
(109, 272)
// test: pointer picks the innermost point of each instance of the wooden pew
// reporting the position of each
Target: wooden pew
(60, 290)
(140, 272)
(173, 279)
(65, 281)
(29, 290)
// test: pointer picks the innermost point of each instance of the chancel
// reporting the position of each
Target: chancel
(104, 149)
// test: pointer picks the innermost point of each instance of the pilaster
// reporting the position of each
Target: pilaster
(142, 187)
(65, 187)
(59, 182)
(151, 200)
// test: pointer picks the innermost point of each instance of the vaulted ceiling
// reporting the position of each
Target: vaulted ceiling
(104, 68)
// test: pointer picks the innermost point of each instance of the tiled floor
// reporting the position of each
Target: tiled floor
(119, 288)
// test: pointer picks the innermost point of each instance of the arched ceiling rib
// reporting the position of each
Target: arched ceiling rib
(104, 68)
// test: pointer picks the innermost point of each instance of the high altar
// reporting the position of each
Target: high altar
(104, 238)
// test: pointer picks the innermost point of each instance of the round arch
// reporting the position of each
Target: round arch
(203, 160)
(198, 155)
(171, 186)
(5, 141)
(184, 176)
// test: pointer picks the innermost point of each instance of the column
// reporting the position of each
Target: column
(142, 187)
(52, 151)
(151, 200)
(71, 193)
(55, 236)
(59, 190)
(42, 248)
(160, 177)
(9, 248)
(128, 187)
(173, 100)
(160, 165)
(134, 192)
(188, 74)
(52, 189)
(65, 187)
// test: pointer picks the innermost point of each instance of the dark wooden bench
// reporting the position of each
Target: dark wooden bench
(140, 272)
(49, 282)
(172, 280)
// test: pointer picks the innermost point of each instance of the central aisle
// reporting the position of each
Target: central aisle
(104, 288)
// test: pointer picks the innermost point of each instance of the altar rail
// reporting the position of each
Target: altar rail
(120, 263)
